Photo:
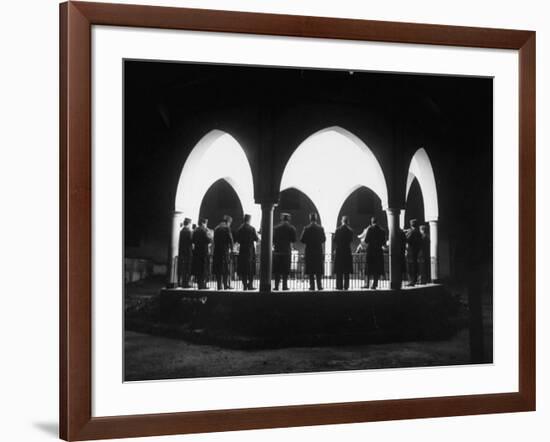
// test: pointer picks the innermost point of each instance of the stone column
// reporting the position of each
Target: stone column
(402, 219)
(177, 218)
(434, 251)
(266, 246)
(395, 248)
(328, 253)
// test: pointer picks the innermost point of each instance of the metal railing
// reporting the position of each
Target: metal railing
(297, 279)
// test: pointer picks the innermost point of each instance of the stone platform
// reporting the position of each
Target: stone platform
(277, 319)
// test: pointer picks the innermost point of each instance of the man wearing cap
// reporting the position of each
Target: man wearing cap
(185, 254)
(343, 261)
(246, 236)
(375, 239)
(221, 257)
(314, 237)
(284, 235)
(202, 237)
(414, 244)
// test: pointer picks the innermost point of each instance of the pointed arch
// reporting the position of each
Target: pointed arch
(221, 193)
(421, 169)
(216, 156)
(306, 199)
(328, 166)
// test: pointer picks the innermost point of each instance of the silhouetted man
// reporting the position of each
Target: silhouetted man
(424, 255)
(375, 239)
(185, 254)
(246, 236)
(202, 237)
(343, 261)
(414, 243)
(284, 235)
(314, 237)
(223, 248)
(403, 251)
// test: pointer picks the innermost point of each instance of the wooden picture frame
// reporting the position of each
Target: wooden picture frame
(76, 421)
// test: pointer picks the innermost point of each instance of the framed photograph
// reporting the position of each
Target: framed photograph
(273, 220)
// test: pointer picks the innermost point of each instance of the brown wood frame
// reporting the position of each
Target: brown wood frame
(76, 421)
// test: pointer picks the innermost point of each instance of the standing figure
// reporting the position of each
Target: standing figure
(284, 235)
(361, 252)
(414, 243)
(403, 251)
(314, 237)
(343, 260)
(361, 256)
(202, 237)
(221, 257)
(375, 238)
(424, 255)
(246, 236)
(185, 254)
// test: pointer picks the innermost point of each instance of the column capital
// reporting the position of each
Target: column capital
(267, 199)
(268, 205)
(395, 211)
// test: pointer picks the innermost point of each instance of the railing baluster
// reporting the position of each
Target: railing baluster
(298, 280)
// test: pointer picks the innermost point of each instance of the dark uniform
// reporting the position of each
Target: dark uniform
(221, 258)
(424, 258)
(314, 237)
(284, 234)
(246, 236)
(403, 251)
(185, 256)
(343, 261)
(414, 243)
(375, 240)
(202, 237)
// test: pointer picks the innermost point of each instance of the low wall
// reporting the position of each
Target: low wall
(308, 318)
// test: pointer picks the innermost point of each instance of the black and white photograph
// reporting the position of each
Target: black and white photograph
(284, 220)
(275, 220)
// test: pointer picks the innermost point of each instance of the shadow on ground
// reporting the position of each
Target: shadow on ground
(50, 428)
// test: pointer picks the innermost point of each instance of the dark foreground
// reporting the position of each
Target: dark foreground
(152, 357)
(157, 349)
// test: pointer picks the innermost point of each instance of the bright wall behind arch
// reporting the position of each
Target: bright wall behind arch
(421, 169)
(330, 165)
(216, 156)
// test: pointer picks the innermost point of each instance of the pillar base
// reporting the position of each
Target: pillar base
(265, 288)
